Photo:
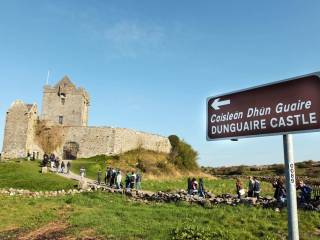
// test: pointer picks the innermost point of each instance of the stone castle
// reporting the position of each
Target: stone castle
(62, 128)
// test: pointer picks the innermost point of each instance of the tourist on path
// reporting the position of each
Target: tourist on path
(132, 179)
(250, 187)
(57, 165)
(82, 172)
(239, 188)
(189, 182)
(118, 180)
(127, 181)
(194, 186)
(109, 173)
(256, 188)
(280, 191)
(305, 192)
(99, 177)
(138, 181)
(68, 167)
(62, 167)
(201, 190)
(113, 178)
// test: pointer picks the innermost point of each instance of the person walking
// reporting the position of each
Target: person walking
(194, 186)
(189, 183)
(305, 192)
(118, 180)
(280, 191)
(82, 172)
(132, 179)
(62, 167)
(99, 176)
(250, 187)
(239, 188)
(109, 173)
(201, 190)
(68, 167)
(256, 188)
(138, 181)
(127, 181)
(113, 177)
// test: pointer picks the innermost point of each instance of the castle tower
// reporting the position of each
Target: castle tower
(18, 133)
(65, 104)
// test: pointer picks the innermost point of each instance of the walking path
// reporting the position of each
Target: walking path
(76, 177)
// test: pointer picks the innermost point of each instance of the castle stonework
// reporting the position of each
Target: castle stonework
(65, 109)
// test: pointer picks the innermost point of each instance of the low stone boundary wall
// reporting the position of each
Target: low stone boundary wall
(38, 194)
(164, 197)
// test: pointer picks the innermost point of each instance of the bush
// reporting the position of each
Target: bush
(182, 154)
(197, 233)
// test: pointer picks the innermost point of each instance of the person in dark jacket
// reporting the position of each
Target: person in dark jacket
(201, 190)
(305, 192)
(109, 173)
(189, 183)
(68, 167)
(99, 176)
(256, 188)
(250, 187)
(239, 188)
(280, 190)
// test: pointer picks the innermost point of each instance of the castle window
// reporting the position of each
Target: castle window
(60, 119)
(63, 100)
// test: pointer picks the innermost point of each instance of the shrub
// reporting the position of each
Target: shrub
(197, 233)
(182, 154)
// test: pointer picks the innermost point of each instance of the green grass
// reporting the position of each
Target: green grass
(112, 216)
(26, 175)
(216, 186)
(92, 165)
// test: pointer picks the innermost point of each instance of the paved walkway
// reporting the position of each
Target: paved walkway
(76, 177)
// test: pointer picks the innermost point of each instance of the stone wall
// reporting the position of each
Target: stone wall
(128, 139)
(94, 141)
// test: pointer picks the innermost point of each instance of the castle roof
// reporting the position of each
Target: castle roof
(29, 106)
(64, 83)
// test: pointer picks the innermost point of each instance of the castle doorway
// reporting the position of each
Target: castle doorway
(70, 150)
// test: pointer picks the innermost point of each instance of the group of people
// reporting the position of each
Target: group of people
(113, 178)
(280, 193)
(254, 188)
(55, 164)
(195, 188)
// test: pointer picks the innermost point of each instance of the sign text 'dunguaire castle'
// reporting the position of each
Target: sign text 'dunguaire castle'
(282, 107)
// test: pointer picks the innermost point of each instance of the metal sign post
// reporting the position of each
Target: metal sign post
(293, 229)
(279, 108)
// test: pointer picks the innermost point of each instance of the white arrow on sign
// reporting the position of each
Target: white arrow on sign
(217, 103)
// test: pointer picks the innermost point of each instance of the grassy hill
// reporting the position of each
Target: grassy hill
(26, 175)
(151, 164)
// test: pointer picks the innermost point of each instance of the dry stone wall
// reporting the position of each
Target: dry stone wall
(94, 141)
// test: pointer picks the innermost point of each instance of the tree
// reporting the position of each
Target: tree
(182, 154)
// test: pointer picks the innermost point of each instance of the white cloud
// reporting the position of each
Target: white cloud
(131, 38)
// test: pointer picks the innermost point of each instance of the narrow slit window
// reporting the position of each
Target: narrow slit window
(60, 119)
